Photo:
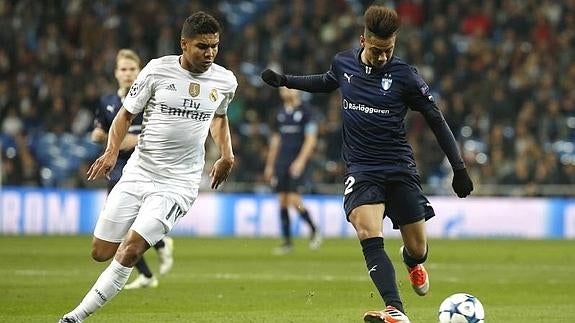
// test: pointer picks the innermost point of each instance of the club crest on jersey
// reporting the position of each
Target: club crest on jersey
(194, 89)
(213, 95)
(386, 82)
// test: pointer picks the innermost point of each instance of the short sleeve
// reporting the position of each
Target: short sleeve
(228, 96)
(140, 91)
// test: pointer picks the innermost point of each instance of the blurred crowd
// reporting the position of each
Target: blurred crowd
(502, 71)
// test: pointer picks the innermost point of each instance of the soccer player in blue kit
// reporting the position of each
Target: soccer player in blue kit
(291, 145)
(127, 69)
(377, 90)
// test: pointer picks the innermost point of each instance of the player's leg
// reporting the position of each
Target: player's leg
(120, 211)
(367, 221)
(409, 209)
(414, 254)
(285, 225)
(364, 197)
(296, 201)
(165, 249)
(103, 250)
(145, 231)
(145, 276)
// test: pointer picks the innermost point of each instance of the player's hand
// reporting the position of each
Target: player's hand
(221, 171)
(268, 173)
(272, 78)
(296, 168)
(462, 184)
(102, 166)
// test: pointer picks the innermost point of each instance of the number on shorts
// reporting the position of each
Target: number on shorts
(348, 185)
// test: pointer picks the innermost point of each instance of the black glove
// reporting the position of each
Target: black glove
(274, 79)
(461, 184)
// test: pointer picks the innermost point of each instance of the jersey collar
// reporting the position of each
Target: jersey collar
(368, 69)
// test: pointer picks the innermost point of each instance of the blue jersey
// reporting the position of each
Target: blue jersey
(108, 108)
(374, 105)
(292, 126)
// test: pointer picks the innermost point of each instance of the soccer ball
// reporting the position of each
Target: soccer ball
(461, 308)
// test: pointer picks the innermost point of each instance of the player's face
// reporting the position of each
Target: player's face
(200, 51)
(126, 72)
(376, 51)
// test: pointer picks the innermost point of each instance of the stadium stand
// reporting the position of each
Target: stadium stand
(502, 71)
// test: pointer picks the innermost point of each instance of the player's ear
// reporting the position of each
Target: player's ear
(183, 44)
(362, 40)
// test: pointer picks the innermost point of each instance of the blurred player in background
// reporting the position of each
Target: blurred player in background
(377, 90)
(127, 69)
(183, 98)
(291, 145)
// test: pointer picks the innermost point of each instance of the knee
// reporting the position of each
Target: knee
(101, 255)
(366, 232)
(103, 250)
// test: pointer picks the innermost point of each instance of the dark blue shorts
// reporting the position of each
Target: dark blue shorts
(401, 193)
(285, 182)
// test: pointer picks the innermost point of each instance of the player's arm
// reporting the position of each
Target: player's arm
(100, 133)
(307, 148)
(274, 145)
(322, 83)
(419, 98)
(220, 132)
(129, 142)
(104, 164)
(100, 136)
(462, 184)
(444, 136)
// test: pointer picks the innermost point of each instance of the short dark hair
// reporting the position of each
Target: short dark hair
(200, 23)
(381, 21)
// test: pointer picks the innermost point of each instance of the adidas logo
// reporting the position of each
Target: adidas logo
(171, 87)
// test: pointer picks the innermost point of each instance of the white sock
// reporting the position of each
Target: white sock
(110, 282)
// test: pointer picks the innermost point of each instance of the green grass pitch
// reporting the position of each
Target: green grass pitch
(239, 280)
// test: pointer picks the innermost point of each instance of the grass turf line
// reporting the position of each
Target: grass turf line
(239, 280)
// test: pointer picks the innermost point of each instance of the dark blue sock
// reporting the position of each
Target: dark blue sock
(381, 271)
(160, 244)
(285, 222)
(143, 268)
(305, 216)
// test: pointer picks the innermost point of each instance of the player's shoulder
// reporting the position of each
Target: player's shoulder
(109, 99)
(224, 75)
(347, 54)
(163, 61)
(400, 65)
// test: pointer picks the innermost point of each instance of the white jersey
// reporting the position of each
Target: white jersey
(178, 107)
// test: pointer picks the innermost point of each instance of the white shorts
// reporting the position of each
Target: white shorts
(142, 204)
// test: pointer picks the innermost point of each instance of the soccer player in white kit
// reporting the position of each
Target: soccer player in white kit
(182, 98)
